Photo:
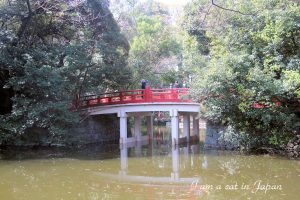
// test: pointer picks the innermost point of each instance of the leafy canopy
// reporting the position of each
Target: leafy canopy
(253, 59)
(55, 52)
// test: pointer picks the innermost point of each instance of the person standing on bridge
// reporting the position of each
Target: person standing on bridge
(143, 84)
(176, 85)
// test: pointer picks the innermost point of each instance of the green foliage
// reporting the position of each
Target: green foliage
(56, 51)
(254, 58)
(153, 43)
(193, 59)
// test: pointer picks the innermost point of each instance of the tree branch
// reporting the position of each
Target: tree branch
(29, 7)
(228, 9)
(204, 18)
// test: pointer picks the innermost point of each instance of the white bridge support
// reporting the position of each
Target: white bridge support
(137, 128)
(123, 160)
(186, 127)
(146, 110)
(123, 127)
(150, 126)
(175, 163)
(175, 126)
(195, 126)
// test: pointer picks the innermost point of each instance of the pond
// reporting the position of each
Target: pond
(145, 171)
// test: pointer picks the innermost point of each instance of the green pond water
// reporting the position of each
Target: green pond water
(146, 170)
(153, 171)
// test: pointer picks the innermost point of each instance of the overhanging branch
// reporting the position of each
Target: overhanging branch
(228, 9)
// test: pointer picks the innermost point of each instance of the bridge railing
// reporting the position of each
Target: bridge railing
(147, 95)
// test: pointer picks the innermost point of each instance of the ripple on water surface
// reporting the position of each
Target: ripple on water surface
(146, 172)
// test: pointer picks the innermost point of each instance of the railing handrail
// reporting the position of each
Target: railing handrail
(134, 96)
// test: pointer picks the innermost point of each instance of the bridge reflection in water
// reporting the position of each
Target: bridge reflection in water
(162, 166)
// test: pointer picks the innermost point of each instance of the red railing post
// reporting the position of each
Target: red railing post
(174, 93)
(121, 96)
(147, 94)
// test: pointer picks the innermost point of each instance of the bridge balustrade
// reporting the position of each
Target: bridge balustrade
(147, 95)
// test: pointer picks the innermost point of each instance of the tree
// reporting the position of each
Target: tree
(53, 52)
(154, 40)
(254, 59)
(153, 43)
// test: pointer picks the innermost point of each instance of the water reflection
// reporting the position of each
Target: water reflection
(158, 163)
(145, 171)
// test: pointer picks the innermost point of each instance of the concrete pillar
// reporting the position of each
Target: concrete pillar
(195, 126)
(149, 120)
(186, 159)
(124, 160)
(186, 127)
(194, 149)
(186, 150)
(175, 163)
(137, 128)
(123, 127)
(175, 126)
(194, 155)
(138, 149)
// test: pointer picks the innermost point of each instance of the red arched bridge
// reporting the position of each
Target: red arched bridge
(142, 103)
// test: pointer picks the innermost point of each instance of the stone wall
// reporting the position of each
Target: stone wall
(95, 129)
(212, 134)
(293, 147)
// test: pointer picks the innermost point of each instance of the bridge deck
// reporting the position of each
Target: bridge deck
(143, 107)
